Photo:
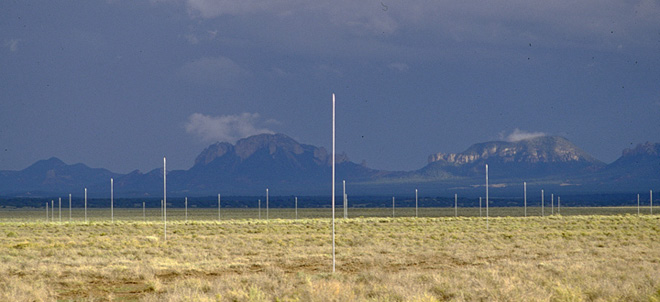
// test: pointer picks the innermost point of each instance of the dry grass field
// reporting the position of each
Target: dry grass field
(553, 258)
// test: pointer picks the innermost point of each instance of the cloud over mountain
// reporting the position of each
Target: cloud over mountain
(518, 135)
(225, 128)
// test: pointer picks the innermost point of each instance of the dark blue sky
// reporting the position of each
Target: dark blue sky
(118, 84)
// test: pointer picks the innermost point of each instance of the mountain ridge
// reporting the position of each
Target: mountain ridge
(289, 167)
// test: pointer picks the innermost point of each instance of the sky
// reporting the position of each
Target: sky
(118, 84)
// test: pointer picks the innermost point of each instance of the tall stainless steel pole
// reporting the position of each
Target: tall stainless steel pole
(525, 194)
(392, 206)
(542, 203)
(344, 199)
(112, 199)
(552, 204)
(333, 182)
(487, 226)
(416, 205)
(165, 198)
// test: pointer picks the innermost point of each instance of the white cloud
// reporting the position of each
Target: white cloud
(518, 135)
(214, 70)
(226, 128)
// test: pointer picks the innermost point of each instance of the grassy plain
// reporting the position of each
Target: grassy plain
(553, 258)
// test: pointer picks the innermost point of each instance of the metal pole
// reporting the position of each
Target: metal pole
(60, 201)
(416, 205)
(346, 206)
(165, 198)
(558, 205)
(112, 199)
(333, 182)
(344, 196)
(393, 206)
(525, 190)
(69, 207)
(552, 204)
(85, 205)
(542, 204)
(259, 208)
(266, 203)
(487, 226)
(296, 207)
(455, 205)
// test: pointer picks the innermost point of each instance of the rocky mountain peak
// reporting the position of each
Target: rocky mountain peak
(271, 143)
(212, 152)
(543, 149)
(248, 146)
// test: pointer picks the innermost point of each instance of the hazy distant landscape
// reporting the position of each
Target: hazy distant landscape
(289, 168)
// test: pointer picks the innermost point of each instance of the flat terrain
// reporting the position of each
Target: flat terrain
(552, 258)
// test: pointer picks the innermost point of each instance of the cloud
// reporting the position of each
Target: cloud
(519, 135)
(431, 25)
(226, 128)
(12, 45)
(214, 70)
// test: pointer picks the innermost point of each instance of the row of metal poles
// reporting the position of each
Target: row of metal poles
(51, 214)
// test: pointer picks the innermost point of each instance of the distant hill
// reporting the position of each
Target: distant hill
(536, 157)
(639, 164)
(286, 167)
(267, 160)
(53, 176)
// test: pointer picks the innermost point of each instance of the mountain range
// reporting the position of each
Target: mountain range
(287, 167)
